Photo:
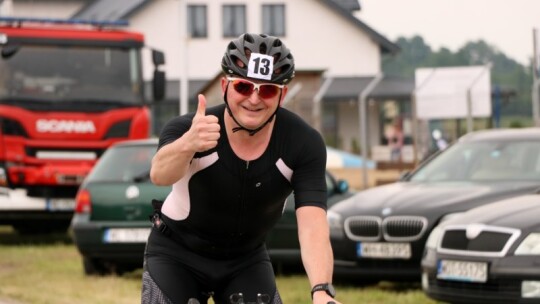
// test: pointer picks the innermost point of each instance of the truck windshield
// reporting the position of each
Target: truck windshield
(71, 76)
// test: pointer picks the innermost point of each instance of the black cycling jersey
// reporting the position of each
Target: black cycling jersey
(219, 213)
(228, 205)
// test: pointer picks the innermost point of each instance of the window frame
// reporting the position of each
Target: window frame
(192, 12)
(237, 26)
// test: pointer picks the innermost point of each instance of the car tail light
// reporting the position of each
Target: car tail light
(83, 202)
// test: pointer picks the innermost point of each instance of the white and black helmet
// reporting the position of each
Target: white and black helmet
(237, 55)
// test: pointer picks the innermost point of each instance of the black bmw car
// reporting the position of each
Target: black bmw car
(489, 254)
(380, 233)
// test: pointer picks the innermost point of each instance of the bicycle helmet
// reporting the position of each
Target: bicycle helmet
(236, 60)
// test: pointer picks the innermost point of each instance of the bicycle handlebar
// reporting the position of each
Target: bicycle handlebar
(238, 298)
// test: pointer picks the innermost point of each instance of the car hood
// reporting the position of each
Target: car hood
(429, 199)
(519, 212)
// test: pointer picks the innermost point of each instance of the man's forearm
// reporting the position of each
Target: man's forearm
(314, 237)
(170, 163)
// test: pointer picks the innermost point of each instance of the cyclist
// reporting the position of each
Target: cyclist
(231, 168)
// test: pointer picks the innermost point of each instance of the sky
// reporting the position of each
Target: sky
(505, 24)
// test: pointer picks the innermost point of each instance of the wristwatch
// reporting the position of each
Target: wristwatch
(327, 287)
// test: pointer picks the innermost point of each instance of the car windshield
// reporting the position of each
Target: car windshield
(124, 164)
(484, 161)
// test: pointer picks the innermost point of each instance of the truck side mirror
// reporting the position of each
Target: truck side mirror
(158, 57)
(158, 85)
(159, 81)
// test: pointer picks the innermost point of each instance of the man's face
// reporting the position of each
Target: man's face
(252, 102)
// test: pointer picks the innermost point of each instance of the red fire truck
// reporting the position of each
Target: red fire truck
(68, 90)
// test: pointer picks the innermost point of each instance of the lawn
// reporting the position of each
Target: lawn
(48, 270)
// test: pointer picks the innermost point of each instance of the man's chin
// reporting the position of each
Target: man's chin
(252, 123)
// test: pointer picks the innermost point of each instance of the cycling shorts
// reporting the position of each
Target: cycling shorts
(174, 274)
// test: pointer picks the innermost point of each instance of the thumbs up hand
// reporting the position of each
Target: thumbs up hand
(204, 131)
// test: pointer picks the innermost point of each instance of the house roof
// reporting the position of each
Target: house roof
(352, 5)
(109, 10)
(343, 89)
(390, 87)
(122, 9)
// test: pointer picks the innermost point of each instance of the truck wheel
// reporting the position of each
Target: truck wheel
(94, 267)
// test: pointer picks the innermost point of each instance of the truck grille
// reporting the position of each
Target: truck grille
(393, 228)
(485, 241)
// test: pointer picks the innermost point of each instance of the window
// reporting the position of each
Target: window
(273, 17)
(234, 20)
(197, 21)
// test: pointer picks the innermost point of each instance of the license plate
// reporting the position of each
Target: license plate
(462, 271)
(60, 204)
(126, 235)
(384, 250)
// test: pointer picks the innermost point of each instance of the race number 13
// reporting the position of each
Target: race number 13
(260, 66)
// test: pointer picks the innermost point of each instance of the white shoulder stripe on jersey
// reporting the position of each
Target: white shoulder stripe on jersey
(284, 169)
(177, 204)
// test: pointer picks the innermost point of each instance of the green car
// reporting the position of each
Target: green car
(111, 221)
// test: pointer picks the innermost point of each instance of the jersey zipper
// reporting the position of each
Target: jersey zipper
(242, 202)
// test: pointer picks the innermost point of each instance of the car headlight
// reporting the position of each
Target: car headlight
(335, 222)
(530, 245)
(434, 238)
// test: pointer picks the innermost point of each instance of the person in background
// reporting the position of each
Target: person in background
(440, 142)
(231, 168)
(395, 139)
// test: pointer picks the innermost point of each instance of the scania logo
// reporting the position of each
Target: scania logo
(65, 126)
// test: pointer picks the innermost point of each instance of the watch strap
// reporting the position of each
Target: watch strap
(327, 287)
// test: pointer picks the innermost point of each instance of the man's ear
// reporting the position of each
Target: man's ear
(283, 94)
(224, 83)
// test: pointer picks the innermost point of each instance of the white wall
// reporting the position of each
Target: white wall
(321, 39)
(338, 46)
(318, 37)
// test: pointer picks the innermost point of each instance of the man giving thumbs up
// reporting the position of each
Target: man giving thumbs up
(232, 168)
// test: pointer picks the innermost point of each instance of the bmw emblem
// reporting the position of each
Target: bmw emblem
(386, 211)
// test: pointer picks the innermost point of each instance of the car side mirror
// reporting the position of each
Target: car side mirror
(404, 175)
(9, 50)
(342, 186)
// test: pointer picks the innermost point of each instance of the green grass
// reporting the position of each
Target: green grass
(48, 270)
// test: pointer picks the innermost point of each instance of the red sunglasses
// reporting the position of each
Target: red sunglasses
(246, 87)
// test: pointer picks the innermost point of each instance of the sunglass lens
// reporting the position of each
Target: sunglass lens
(242, 87)
(268, 91)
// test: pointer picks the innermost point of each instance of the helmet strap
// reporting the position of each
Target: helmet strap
(242, 128)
